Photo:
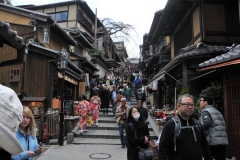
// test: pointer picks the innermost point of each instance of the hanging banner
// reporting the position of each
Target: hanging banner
(46, 35)
(154, 85)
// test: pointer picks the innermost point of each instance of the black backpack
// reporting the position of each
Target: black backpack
(178, 128)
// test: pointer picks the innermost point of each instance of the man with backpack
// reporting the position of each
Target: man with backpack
(183, 137)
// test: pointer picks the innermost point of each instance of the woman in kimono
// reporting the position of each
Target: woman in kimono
(83, 110)
(95, 103)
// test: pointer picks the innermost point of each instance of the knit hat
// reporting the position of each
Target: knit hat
(11, 116)
(123, 99)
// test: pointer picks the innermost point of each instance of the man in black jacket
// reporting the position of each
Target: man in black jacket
(191, 143)
(143, 110)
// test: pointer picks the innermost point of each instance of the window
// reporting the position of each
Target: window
(60, 16)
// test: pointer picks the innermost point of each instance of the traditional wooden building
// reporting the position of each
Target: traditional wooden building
(32, 69)
(199, 31)
(196, 32)
(77, 18)
(228, 65)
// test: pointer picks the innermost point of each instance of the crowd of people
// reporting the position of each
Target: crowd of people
(184, 136)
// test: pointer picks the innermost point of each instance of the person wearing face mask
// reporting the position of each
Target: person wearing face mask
(142, 137)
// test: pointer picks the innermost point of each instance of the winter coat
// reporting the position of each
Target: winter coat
(105, 98)
(30, 141)
(141, 131)
(216, 134)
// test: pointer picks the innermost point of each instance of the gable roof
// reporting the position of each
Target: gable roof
(41, 17)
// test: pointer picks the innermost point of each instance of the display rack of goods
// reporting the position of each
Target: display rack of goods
(36, 108)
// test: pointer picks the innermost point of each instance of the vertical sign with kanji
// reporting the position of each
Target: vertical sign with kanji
(46, 35)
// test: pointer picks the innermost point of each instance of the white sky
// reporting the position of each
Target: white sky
(138, 13)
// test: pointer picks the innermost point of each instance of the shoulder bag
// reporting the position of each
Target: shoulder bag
(143, 153)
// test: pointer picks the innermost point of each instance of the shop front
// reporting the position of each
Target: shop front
(37, 105)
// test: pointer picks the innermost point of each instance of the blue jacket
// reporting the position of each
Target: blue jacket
(30, 140)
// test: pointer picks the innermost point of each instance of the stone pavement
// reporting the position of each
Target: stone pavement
(101, 142)
(84, 152)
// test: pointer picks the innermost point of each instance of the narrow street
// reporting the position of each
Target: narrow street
(102, 142)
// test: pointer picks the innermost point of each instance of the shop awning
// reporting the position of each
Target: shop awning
(33, 99)
(157, 77)
(68, 78)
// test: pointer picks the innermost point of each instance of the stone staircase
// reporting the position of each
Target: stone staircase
(107, 131)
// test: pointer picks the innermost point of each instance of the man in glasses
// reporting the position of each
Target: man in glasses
(214, 127)
(182, 137)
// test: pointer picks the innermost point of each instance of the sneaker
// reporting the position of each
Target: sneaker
(96, 125)
(114, 117)
(123, 146)
(85, 130)
(81, 132)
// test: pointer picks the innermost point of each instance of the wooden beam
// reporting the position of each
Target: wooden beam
(185, 74)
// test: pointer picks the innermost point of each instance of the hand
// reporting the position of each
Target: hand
(39, 149)
(30, 153)
(146, 140)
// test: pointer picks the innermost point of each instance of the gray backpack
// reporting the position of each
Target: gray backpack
(178, 128)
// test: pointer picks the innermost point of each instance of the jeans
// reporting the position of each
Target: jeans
(114, 107)
(121, 132)
(130, 103)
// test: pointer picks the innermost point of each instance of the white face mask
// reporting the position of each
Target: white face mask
(136, 116)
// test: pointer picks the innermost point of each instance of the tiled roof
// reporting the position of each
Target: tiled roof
(109, 59)
(192, 52)
(10, 36)
(42, 17)
(233, 54)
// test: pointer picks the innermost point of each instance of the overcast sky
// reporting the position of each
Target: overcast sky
(138, 13)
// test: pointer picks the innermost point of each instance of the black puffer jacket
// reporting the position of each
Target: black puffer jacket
(141, 131)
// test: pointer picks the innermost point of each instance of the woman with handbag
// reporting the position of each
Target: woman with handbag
(137, 135)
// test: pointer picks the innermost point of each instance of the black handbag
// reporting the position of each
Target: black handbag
(143, 153)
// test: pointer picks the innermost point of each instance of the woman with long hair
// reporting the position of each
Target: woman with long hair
(137, 133)
(105, 99)
(26, 135)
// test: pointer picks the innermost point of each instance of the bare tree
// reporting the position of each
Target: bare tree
(118, 31)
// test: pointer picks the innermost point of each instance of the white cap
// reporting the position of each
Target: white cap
(11, 111)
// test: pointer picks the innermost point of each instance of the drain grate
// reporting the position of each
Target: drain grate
(100, 156)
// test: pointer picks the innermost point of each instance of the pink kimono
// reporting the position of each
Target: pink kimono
(95, 103)
(83, 109)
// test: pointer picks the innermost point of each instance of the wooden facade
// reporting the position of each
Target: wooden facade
(199, 31)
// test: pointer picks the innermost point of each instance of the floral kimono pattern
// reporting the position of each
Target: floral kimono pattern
(83, 109)
(95, 104)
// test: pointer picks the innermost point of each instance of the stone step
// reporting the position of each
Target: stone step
(99, 141)
(108, 126)
(109, 110)
(106, 120)
(106, 115)
(107, 134)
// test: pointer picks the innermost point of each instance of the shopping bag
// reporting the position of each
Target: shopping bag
(90, 121)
